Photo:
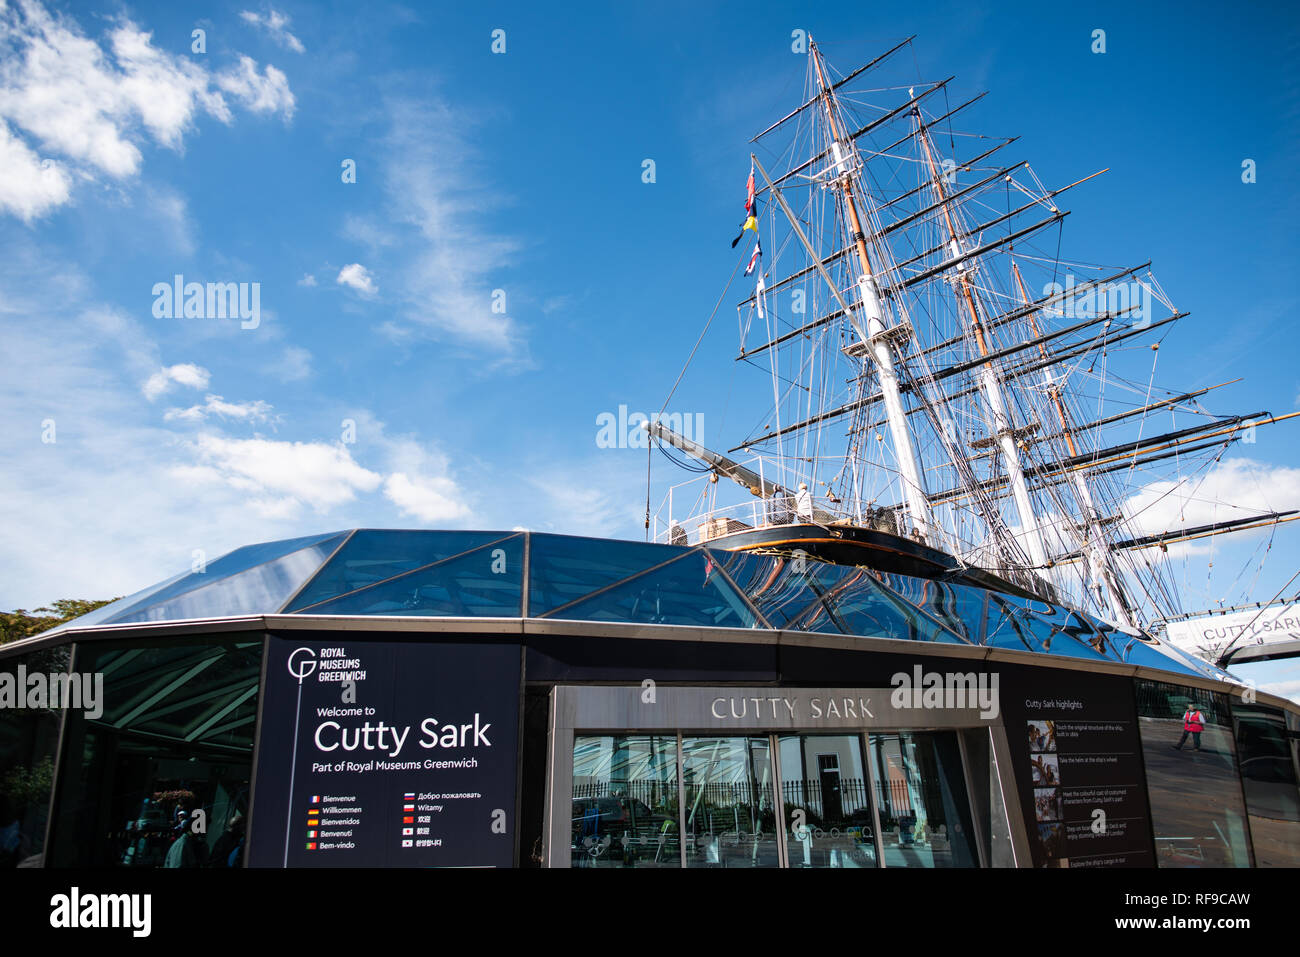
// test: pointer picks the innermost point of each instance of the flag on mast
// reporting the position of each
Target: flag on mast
(751, 221)
(757, 254)
(760, 290)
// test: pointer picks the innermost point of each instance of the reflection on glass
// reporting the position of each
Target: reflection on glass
(729, 816)
(260, 590)
(564, 568)
(824, 787)
(852, 601)
(1028, 623)
(1266, 747)
(921, 793)
(372, 556)
(776, 584)
(255, 578)
(625, 801)
(960, 607)
(689, 590)
(1196, 808)
(485, 581)
(175, 737)
(28, 741)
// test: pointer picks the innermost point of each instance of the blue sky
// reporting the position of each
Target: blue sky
(129, 158)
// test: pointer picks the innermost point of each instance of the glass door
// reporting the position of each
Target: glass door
(826, 792)
(729, 817)
(921, 793)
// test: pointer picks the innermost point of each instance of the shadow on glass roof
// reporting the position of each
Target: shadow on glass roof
(467, 574)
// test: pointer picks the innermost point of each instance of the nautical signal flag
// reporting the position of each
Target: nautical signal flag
(751, 221)
(753, 259)
(760, 290)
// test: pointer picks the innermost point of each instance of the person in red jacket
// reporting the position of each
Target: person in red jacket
(1193, 724)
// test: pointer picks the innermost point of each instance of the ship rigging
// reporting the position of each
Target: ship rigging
(957, 397)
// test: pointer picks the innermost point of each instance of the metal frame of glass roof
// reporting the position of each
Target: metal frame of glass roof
(494, 574)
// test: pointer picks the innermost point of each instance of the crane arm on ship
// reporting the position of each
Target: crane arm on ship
(745, 477)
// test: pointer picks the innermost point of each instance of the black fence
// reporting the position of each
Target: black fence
(893, 797)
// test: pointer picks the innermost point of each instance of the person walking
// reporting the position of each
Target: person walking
(1193, 724)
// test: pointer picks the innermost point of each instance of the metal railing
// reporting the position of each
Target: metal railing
(894, 798)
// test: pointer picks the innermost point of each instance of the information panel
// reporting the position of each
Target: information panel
(1077, 755)
(386, 754)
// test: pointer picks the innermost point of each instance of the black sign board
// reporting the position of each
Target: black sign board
(386, 754)
(1077, 757)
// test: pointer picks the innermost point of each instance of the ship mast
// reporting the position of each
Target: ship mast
(1101, 561)
(877, 336)
(990, 383)
(935, 331)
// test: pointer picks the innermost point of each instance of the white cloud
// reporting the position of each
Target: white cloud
(276, 24)
(30, 186)
(186, 373)
(420, 484)
(428, 498)
(596, 496)
(254, 411)
(170, 210)
(448, 263)
(267, 92)
(294, 364)
(1232, 489)
(358, 277)
(94, 102)
(374, 236)
(281, 475)
(307, 280)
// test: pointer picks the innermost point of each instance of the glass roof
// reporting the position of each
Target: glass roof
(496, 574)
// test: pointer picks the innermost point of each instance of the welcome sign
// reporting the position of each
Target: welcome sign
(383, 754)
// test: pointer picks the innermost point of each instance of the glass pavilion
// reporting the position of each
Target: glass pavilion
(183, 666)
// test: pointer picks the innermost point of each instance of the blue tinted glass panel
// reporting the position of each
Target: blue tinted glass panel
(375, 555)
(774, 583)
(259, 591)
(689, 591)
(1023, 623)
(959, 607)
(851, 601)
(1134, 650)
(563, 568)
(484, 582)
(229, 564)
(1165, 655)
(117, 607)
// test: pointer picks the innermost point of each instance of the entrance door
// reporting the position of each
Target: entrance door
(824, 787)
(828, 772)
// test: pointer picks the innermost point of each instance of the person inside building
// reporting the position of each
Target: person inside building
(1193, 724)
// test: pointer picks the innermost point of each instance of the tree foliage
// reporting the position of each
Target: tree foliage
(21, 623)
